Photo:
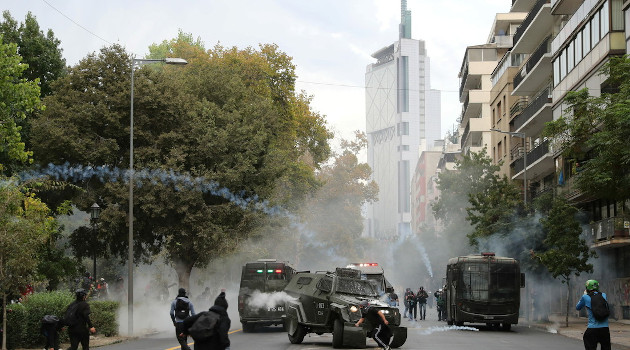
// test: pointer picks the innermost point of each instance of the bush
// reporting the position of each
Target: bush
(24, 320)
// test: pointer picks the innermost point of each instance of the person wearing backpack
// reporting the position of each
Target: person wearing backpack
(181, 308)
(596, 304)
(421, 298)
(77, 318)
(50, 327)
(216, 322)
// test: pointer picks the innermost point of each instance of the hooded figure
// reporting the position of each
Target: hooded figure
(181, 308)
(220, 341)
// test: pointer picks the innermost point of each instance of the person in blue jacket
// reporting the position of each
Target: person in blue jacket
(597, 331)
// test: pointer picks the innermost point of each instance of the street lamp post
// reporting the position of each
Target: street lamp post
(95, 211)
(134, 62)
(521, 135)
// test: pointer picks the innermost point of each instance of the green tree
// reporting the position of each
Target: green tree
(230, 117)
(595, 131)
(25, 226)
(18, 97)
(333, 214)
(41, 52)
(566, 254)
(475, 191)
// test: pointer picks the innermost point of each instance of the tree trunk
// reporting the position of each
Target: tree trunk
(568, 298)
(4, 321)
(183, 275)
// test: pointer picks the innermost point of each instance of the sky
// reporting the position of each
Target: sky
(331, 41)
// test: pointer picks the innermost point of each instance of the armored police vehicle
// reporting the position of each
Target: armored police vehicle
(262, 278)
(328, 302)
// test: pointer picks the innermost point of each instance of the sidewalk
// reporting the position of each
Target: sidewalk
(619, 329)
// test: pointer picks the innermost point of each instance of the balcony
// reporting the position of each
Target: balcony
(522, 5)
(534, 116)
(539, 161)
(537, 69)
(536, 26)
(565, 7)
(610, 232)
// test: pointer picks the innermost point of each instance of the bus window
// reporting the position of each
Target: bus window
(475, 282)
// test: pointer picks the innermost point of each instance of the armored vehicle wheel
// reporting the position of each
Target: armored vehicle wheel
(337, 341)
(298, 336)
(400, 337)
(506, 326)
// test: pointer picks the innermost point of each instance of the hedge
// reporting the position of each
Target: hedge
(24, 320)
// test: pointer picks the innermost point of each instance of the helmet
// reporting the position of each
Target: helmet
(592, 285)
(80, 293)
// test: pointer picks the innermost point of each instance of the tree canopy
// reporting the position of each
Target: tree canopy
(476, 192)
(228, 125)
(41, 52)
(18, 97)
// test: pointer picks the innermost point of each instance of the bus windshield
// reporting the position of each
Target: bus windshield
(484, 282)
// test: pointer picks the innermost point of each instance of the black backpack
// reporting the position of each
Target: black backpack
(181, 309)
(70, 318)
(205, 326)
(599, 306)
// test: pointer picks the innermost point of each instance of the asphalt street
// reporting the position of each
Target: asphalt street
(427, 334)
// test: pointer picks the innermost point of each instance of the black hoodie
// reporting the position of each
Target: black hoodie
(221, 340)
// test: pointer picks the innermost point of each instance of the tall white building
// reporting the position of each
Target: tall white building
(397, 124)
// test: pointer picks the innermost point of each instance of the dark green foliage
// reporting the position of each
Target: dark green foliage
(104, 317)
(595, 132)
(40, 51)
(24, 320)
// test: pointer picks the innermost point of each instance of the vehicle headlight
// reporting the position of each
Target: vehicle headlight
(385, 311)
(354, 308)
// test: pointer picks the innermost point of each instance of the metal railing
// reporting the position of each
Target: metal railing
(532, 156)
(536, 56)
(531, 109)
(609, 228)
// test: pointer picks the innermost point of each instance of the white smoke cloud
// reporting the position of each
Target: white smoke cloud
(260, 300)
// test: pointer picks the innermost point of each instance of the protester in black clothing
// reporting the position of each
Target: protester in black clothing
(51, 325)
(393, 299)
(381, 332)
(220, 341)
(181, 308)
(80, 329)
(421, 298)
(440, 298)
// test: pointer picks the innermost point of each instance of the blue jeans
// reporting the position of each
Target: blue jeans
(423, 310)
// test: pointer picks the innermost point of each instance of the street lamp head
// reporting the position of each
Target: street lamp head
(95, 211)
(175, 60)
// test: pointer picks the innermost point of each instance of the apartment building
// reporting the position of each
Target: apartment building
(422, 190)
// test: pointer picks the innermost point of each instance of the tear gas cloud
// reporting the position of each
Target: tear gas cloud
(434, 329)
(259, 300)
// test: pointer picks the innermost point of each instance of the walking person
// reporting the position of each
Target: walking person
(181, 308)
(77, 318)
(406, 301)
(421, 297)
(597, 330)
(440, 301)
(219, 339)
(411, 299)
(50, 327)
(381, 333)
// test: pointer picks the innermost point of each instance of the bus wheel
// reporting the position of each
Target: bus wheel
(506, 327)
(449, 322)
(459, 323)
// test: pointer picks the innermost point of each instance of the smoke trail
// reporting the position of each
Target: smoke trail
(260, 300)
(179, 182)
(407, 237)
(431, 330)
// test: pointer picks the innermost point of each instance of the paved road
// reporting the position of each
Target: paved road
(429, 334)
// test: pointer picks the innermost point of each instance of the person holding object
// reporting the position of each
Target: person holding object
(596, 304)
(381, 332)
(77, 318)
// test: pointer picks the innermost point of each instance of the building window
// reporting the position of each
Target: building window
(403, 128)
(500, 149)
(403, 148)
(403, 186)
(403, 84)
(595, 30)
(578, 48)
